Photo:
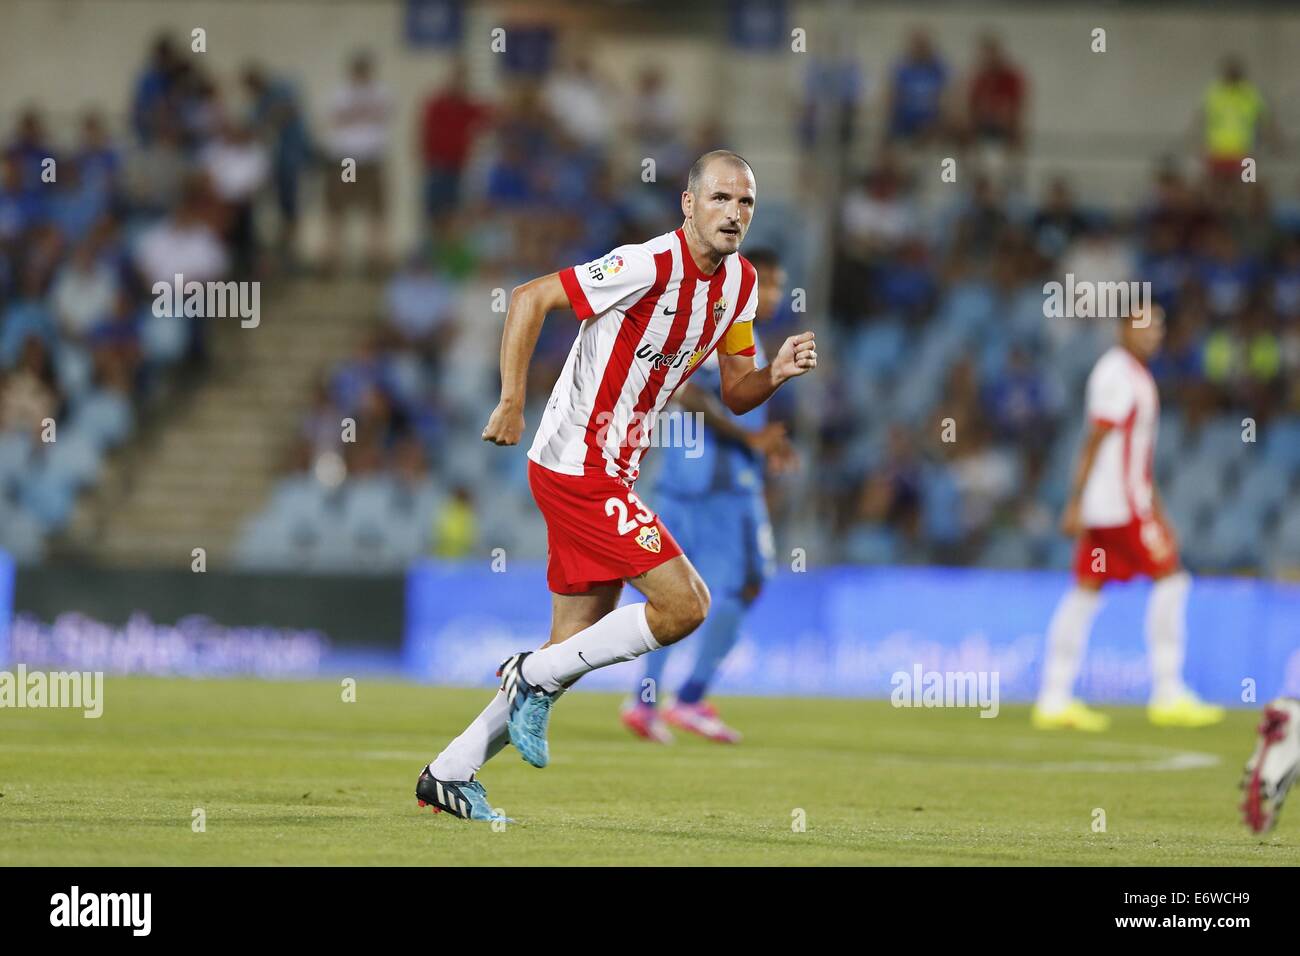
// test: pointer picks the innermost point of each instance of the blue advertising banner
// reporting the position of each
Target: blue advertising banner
(847, 631)
(6, 604)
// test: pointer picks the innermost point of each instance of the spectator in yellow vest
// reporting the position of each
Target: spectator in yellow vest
(1233, 119)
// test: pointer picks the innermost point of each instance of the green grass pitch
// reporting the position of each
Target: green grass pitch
(287, 773)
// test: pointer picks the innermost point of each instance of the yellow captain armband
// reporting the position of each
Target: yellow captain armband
(739, 339)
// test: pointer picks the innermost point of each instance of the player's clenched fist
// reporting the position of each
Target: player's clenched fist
(798, 355)
(505, 425)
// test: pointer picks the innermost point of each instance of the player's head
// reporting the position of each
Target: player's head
(1143, 331)
(1232, 69)
(719, 200)
(771, 282)
(361, 67)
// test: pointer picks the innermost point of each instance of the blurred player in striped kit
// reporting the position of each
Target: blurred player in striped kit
(711, 493)
(1116, 514)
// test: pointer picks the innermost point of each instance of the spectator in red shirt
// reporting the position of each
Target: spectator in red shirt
(997, 97)
(452, 121)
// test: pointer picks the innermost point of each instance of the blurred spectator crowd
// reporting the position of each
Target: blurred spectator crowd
(935, 324)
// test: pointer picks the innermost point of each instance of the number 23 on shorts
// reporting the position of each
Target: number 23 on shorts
(625, 524)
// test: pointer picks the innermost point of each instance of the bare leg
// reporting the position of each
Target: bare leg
(677, 599)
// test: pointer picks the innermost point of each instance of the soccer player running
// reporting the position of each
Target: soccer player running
(1115, 511)
(711, 494)
(650, 314)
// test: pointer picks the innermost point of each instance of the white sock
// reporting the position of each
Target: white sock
(477, 744)
(1067, 637)
(621, 635)
(1166, 627)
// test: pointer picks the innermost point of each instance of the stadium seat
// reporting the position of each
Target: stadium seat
(74, 369)
(15, 455)
(366, 502)
(264, 544)
(73, 459)
(1170, 436)
(878, 348)
(1265, 483)
(1198, 483)
(49, 503)
(1219, 440)
(105, 417)
(1284, 552)
(871, 544)
(969, 308)
(163, 338)
(1024, 317)
(940, 506)
(1281, 440)
(1234, 538)
(1060, 553)
(21, 534)
(1007, 549)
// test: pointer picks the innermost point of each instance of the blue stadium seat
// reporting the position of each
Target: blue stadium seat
(367, 501)
(1284, 553)
(334, 549)
(302, 507)
(15, 456)
(871, 544)
(1281, 441)
(1193, 493)
(163, 339)
(407, 379)
(105, 417)
(1024, 317)
(1170, 436)
(49, 503)
(940, 506)
(1219, 440)
(20, 534)
(1007, 549)
(74, 368)
(265, 544)
(73, 458)
(1265, 483)
(878, 348)
(969, 307)
(1060, 553)
(1234, 537)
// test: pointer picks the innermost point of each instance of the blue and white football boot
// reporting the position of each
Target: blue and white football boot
(530, 710)
(461, 798)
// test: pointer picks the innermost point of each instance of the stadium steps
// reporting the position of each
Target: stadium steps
(193, 480)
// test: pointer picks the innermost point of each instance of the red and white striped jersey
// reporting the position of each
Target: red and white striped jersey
(649, 317)
(1122, 394)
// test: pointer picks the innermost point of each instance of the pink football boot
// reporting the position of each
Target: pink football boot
(645, 722)
(701, 719)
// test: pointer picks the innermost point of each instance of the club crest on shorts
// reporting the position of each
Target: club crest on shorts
(648, 538)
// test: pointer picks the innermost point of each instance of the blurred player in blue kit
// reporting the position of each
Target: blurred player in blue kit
(710, 492)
